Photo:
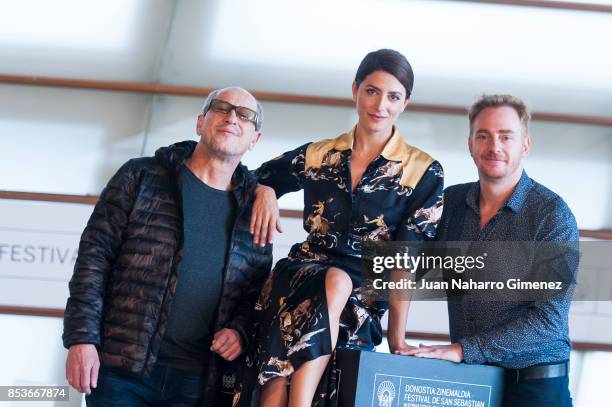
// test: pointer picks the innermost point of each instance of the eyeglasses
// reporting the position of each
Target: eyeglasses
(243, 113)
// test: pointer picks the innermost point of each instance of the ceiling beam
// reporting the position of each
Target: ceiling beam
(559, 5)
(288, 213)
(155, 88)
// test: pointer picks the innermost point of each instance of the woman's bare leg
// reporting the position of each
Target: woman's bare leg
(304, 382)
(274, 393)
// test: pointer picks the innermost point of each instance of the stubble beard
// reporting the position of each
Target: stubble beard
(223, 150)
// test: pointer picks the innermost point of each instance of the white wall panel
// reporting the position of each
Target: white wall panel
(28, 360)
(103, 40)
(458, 49)
(67, 141)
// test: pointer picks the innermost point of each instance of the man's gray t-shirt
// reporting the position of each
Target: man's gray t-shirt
(209, 216)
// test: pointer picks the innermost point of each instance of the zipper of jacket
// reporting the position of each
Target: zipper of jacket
(227, 265)
(163, 302)
(172, 271)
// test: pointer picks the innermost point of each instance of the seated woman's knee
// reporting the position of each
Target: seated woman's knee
(338, 282)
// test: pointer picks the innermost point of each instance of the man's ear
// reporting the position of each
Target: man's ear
(527, 143)
(254, 140)
(469, 143)
(199, 124)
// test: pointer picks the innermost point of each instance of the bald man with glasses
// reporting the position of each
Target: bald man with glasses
(167, 273)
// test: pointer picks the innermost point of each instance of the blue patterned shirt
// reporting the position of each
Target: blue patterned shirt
(510, 334)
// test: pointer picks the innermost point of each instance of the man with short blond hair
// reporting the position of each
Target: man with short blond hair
(528, 338)
(500, 101)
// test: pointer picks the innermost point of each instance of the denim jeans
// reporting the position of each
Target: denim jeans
(538, 393)
(164, 387)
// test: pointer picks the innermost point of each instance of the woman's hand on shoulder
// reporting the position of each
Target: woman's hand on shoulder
(265, 217)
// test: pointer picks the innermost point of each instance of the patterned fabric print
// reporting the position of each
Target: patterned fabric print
(332, 162)
(295, 329)
(294, 323)
(360, 319)
(326, 394)
(319, 227)
(292, 310)
(380, 208)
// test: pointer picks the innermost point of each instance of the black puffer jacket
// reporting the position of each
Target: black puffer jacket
(126, 271)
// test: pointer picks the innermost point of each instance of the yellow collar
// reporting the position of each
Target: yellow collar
(395, 149)
(414, 161)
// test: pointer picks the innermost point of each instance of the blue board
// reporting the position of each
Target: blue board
(370, 379)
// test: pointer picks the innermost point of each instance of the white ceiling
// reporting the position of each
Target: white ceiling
(555, 59)
(558, 60)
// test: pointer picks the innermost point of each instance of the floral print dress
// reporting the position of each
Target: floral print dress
(398, 198)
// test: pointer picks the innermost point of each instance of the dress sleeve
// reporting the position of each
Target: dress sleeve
(424, 213)
(284, 173)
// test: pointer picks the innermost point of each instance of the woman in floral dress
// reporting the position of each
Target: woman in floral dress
(365, 185)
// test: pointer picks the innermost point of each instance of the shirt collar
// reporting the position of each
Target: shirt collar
(395, 149)
(471, 198)
(519, 196)
(514, 203)
(414, 162)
